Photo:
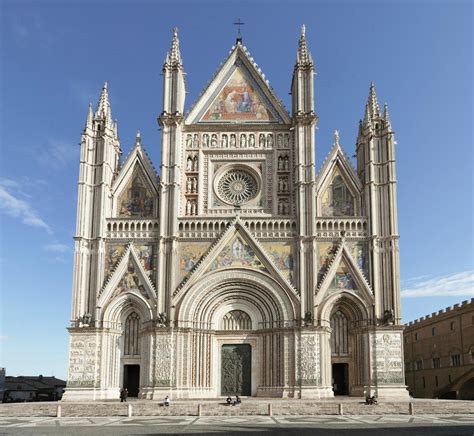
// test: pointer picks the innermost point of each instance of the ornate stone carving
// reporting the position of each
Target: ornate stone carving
(237, 187)
(309, 360)
(387, 367)
(163, 375)
(84, 361)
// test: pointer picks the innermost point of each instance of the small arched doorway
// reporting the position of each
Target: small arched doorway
(340, 355)
(131, 354)
(236, 359)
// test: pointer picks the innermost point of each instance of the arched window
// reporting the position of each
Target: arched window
(131, 346)
(340, 334)
(236, 320)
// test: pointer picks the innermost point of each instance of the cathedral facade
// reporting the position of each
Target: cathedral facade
(239, 269)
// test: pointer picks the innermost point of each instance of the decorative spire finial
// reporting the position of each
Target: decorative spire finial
(336, 137)
(373, 102)
(138, 139)
(103, 107)
(174, 56)
(90, 116)
(303, 56)
(386, 115)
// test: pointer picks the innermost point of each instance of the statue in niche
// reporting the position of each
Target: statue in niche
(205, 140)
(194, 185)
(261, 140)
(251, 140)
(196, 140)
(286, 165)
(280, 140)
(188, 207)
(308, 319)
(189, 141)
(189, 185)
(224, 141)
(287, 140)
(193, 208)
(270, 140)
(214, 140)
(243, 140)
(232, 140)
(189, 164)
(280, 162)
(195, 163)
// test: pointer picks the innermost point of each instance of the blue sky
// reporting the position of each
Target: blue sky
(56, 56)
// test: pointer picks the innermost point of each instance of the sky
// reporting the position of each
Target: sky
(55, 56)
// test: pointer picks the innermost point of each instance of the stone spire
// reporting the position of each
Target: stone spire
(173, 57)
(303, 56)
(367, 116)
(373, 102)
(90, 117)
(103, 108)
(386, 116)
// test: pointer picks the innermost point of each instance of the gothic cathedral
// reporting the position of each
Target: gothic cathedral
(238, 269)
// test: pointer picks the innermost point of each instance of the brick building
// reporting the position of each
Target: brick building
(439, 353)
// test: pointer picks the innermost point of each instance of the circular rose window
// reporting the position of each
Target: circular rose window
(237, 186)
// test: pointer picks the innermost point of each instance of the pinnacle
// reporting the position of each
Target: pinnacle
(103, 107)
(174, 55)
(303, 56)
(90, 116)
(367, 116)
(386, 115)
(373, 102)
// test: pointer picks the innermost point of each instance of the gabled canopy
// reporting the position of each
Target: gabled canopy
(238, 93)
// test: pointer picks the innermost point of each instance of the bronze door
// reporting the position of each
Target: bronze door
(236, 369)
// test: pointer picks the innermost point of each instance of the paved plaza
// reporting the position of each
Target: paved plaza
(329, 424)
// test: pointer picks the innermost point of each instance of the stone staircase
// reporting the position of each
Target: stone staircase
(250, 406)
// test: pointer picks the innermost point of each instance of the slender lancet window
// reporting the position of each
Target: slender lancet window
(340, 334)
(131, 340)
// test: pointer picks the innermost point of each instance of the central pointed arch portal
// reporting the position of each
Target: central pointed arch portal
(241, 338)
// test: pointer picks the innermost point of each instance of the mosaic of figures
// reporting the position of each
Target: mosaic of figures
(358, 251)
(238, 101)
(326, 251)
(137, 198)
(131, 282)
(337, 199)
(343, 278)
(114, 252)
(191, 253)
(238, 140)
(237, 254)
(282, 255)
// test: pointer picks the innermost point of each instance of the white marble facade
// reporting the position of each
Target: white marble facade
(239, 240)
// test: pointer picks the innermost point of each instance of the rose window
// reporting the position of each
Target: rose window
(237, 187)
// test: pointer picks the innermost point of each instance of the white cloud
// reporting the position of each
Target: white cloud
(454, 285)
(57, 154)
(12, 205)
(57, 248)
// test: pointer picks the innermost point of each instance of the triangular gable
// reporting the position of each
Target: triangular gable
(343, 275)
(236, 248)
(238, 93)
(338, 164)
(128, 276)
(137, 175)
